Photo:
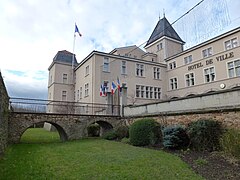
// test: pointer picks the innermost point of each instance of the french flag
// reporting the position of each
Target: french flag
(77, 31)
(118, 84)
(113, 87)
(101, 90)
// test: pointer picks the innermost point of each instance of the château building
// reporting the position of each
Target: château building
(163, 71)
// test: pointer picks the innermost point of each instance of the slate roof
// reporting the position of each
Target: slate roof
(163, 28)
(65, 57)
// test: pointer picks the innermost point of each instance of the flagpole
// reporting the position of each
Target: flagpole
(74, 38)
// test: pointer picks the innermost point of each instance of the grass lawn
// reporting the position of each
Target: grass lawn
(87, 159)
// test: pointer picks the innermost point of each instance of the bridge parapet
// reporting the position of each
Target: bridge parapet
(62, 107)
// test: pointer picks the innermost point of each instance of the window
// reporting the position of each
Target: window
(232, 43)
(189, 79)
(173, 83)
(172, 65)
(234, 68)
(86, 89)
(142, 91)
(124, 67)
(188, 59)
(139, 69)
(65, 78)
(155, 92)
(156, 73)
(159, 46)
(207, 52)
(106, 64)
(64, 95)
(137, 91)
(87, 71)
(80, 93)
(159, 93)
(147, 91)
(209, 74)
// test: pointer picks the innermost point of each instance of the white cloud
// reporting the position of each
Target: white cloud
(32, 31)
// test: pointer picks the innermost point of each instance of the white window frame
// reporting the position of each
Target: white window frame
(106, 64)
(123, 67)
(156, 72)
(87, 70)
(233, 68)
(64, 95)
(190, 79)
(140, 68)
(86, 89)
(207, 52)
(188, 59)
(231, 43)
(173, 83)
(65, 78)
(138, 89)
(80, 93)
(209, 76)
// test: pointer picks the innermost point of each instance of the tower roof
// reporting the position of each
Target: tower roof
(65, 57)
(163, 28)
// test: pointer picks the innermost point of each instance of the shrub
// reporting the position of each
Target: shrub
(204, 134)
(125, 140)
(93, 130)
(230, 142)
(145, 132)
(175, 137)
(110, 135)
(122, 132)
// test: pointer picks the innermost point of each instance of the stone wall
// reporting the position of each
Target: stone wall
(223, 106)
(228, 118)
(4, 102)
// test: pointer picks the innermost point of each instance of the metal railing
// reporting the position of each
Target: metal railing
(62, 107)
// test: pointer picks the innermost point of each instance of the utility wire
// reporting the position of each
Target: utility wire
(172, 23)
(166, 27)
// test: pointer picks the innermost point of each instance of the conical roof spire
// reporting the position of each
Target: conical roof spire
(163, 28)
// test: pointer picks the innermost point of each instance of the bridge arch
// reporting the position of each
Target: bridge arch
(62, 134)
(104, 126)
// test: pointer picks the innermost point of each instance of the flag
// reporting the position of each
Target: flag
(77, 31)
(118, 84)
(113, 87)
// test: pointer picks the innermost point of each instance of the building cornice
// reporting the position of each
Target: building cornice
(164, 37)
(118, 57)
(204, 43)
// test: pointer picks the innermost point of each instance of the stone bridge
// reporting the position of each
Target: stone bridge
(69, 127)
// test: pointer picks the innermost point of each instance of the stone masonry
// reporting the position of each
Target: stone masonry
(69, 127)
(228, 118)
(4, 102)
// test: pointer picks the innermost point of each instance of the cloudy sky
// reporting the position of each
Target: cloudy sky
(32, 31)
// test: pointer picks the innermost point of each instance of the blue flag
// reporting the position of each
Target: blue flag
(77, 31)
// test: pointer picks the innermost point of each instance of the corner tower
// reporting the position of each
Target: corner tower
(164, 41)
(61, 77)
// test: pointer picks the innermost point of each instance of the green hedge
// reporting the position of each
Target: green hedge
(110, 135)
(122, 132)
(145, 132)
(205, 134)
(230, 142)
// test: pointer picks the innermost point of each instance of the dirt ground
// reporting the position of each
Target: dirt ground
(211, 165)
